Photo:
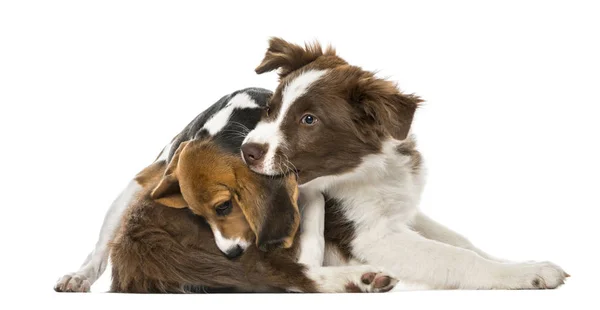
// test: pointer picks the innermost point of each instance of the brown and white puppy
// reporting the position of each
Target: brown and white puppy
(346, 133)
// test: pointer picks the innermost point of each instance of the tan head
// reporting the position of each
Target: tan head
(240, 206)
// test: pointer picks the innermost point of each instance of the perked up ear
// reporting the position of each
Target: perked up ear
(168, 192)
(270, 207)
(382, 107)
(288, 57)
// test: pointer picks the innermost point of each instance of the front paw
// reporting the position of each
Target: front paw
(73, 283)
(351, 279)
(372, 282)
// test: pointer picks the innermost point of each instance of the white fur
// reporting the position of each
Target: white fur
(221, 118)
(295, 89)
(312, 227)
(270, 133)
(433, 230)
(164, 155)
(95, 264)
(336, 279)
(381, 197)
(226, 244)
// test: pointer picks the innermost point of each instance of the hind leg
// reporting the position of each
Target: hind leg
(95, 263)
(433, 230)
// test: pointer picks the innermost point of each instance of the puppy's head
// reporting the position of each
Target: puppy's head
(325, 116)
(240, 206)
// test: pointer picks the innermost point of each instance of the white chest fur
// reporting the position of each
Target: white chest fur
(379, 196)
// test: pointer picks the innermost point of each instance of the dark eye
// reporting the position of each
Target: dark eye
(224, 208)
(308, 119)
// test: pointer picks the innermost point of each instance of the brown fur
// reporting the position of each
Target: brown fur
(354, 110)
(348, 102)
(171, 250)
(289, 57)
(202, 176)
(339, 231)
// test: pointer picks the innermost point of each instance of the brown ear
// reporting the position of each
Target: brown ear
(288, 57)
(382, 107)
(270, 207)
(167, 192)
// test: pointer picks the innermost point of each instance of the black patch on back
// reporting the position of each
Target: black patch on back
(260, 95)
(241, 121)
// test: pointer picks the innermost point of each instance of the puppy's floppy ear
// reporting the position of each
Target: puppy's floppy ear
(167, 192)
(270, 207)
(288, 57)
(382, 107)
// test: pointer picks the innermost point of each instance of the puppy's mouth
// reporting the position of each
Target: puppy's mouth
(281, 172)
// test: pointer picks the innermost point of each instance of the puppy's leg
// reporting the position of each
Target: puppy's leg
(431, 229)
(412, 257)
(312, 240)
(351, 279)
(339, 279)
(95, 263)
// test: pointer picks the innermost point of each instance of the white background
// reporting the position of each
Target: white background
(91, 91)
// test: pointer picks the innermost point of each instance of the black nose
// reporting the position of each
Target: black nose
(253, 152)
(234, 252)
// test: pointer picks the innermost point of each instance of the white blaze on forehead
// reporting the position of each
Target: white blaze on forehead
(270, 133)
(226, 244)
(296, 88)
(220, 119)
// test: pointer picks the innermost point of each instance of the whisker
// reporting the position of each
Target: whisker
(242, 126)
(291, 168)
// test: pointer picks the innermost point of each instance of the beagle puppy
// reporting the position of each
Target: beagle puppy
(198, 219)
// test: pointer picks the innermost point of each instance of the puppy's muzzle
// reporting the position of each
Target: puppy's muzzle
(254, 153)
(234, 252)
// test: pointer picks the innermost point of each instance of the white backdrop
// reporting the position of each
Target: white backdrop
(91, 91)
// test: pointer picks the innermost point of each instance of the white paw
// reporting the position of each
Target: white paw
(352, 279)
(372, 282)
(73, 283)
(538, 275)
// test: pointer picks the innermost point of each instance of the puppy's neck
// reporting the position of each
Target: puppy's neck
(397, 162)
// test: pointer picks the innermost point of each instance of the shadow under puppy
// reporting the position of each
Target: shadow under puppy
(205, 220)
